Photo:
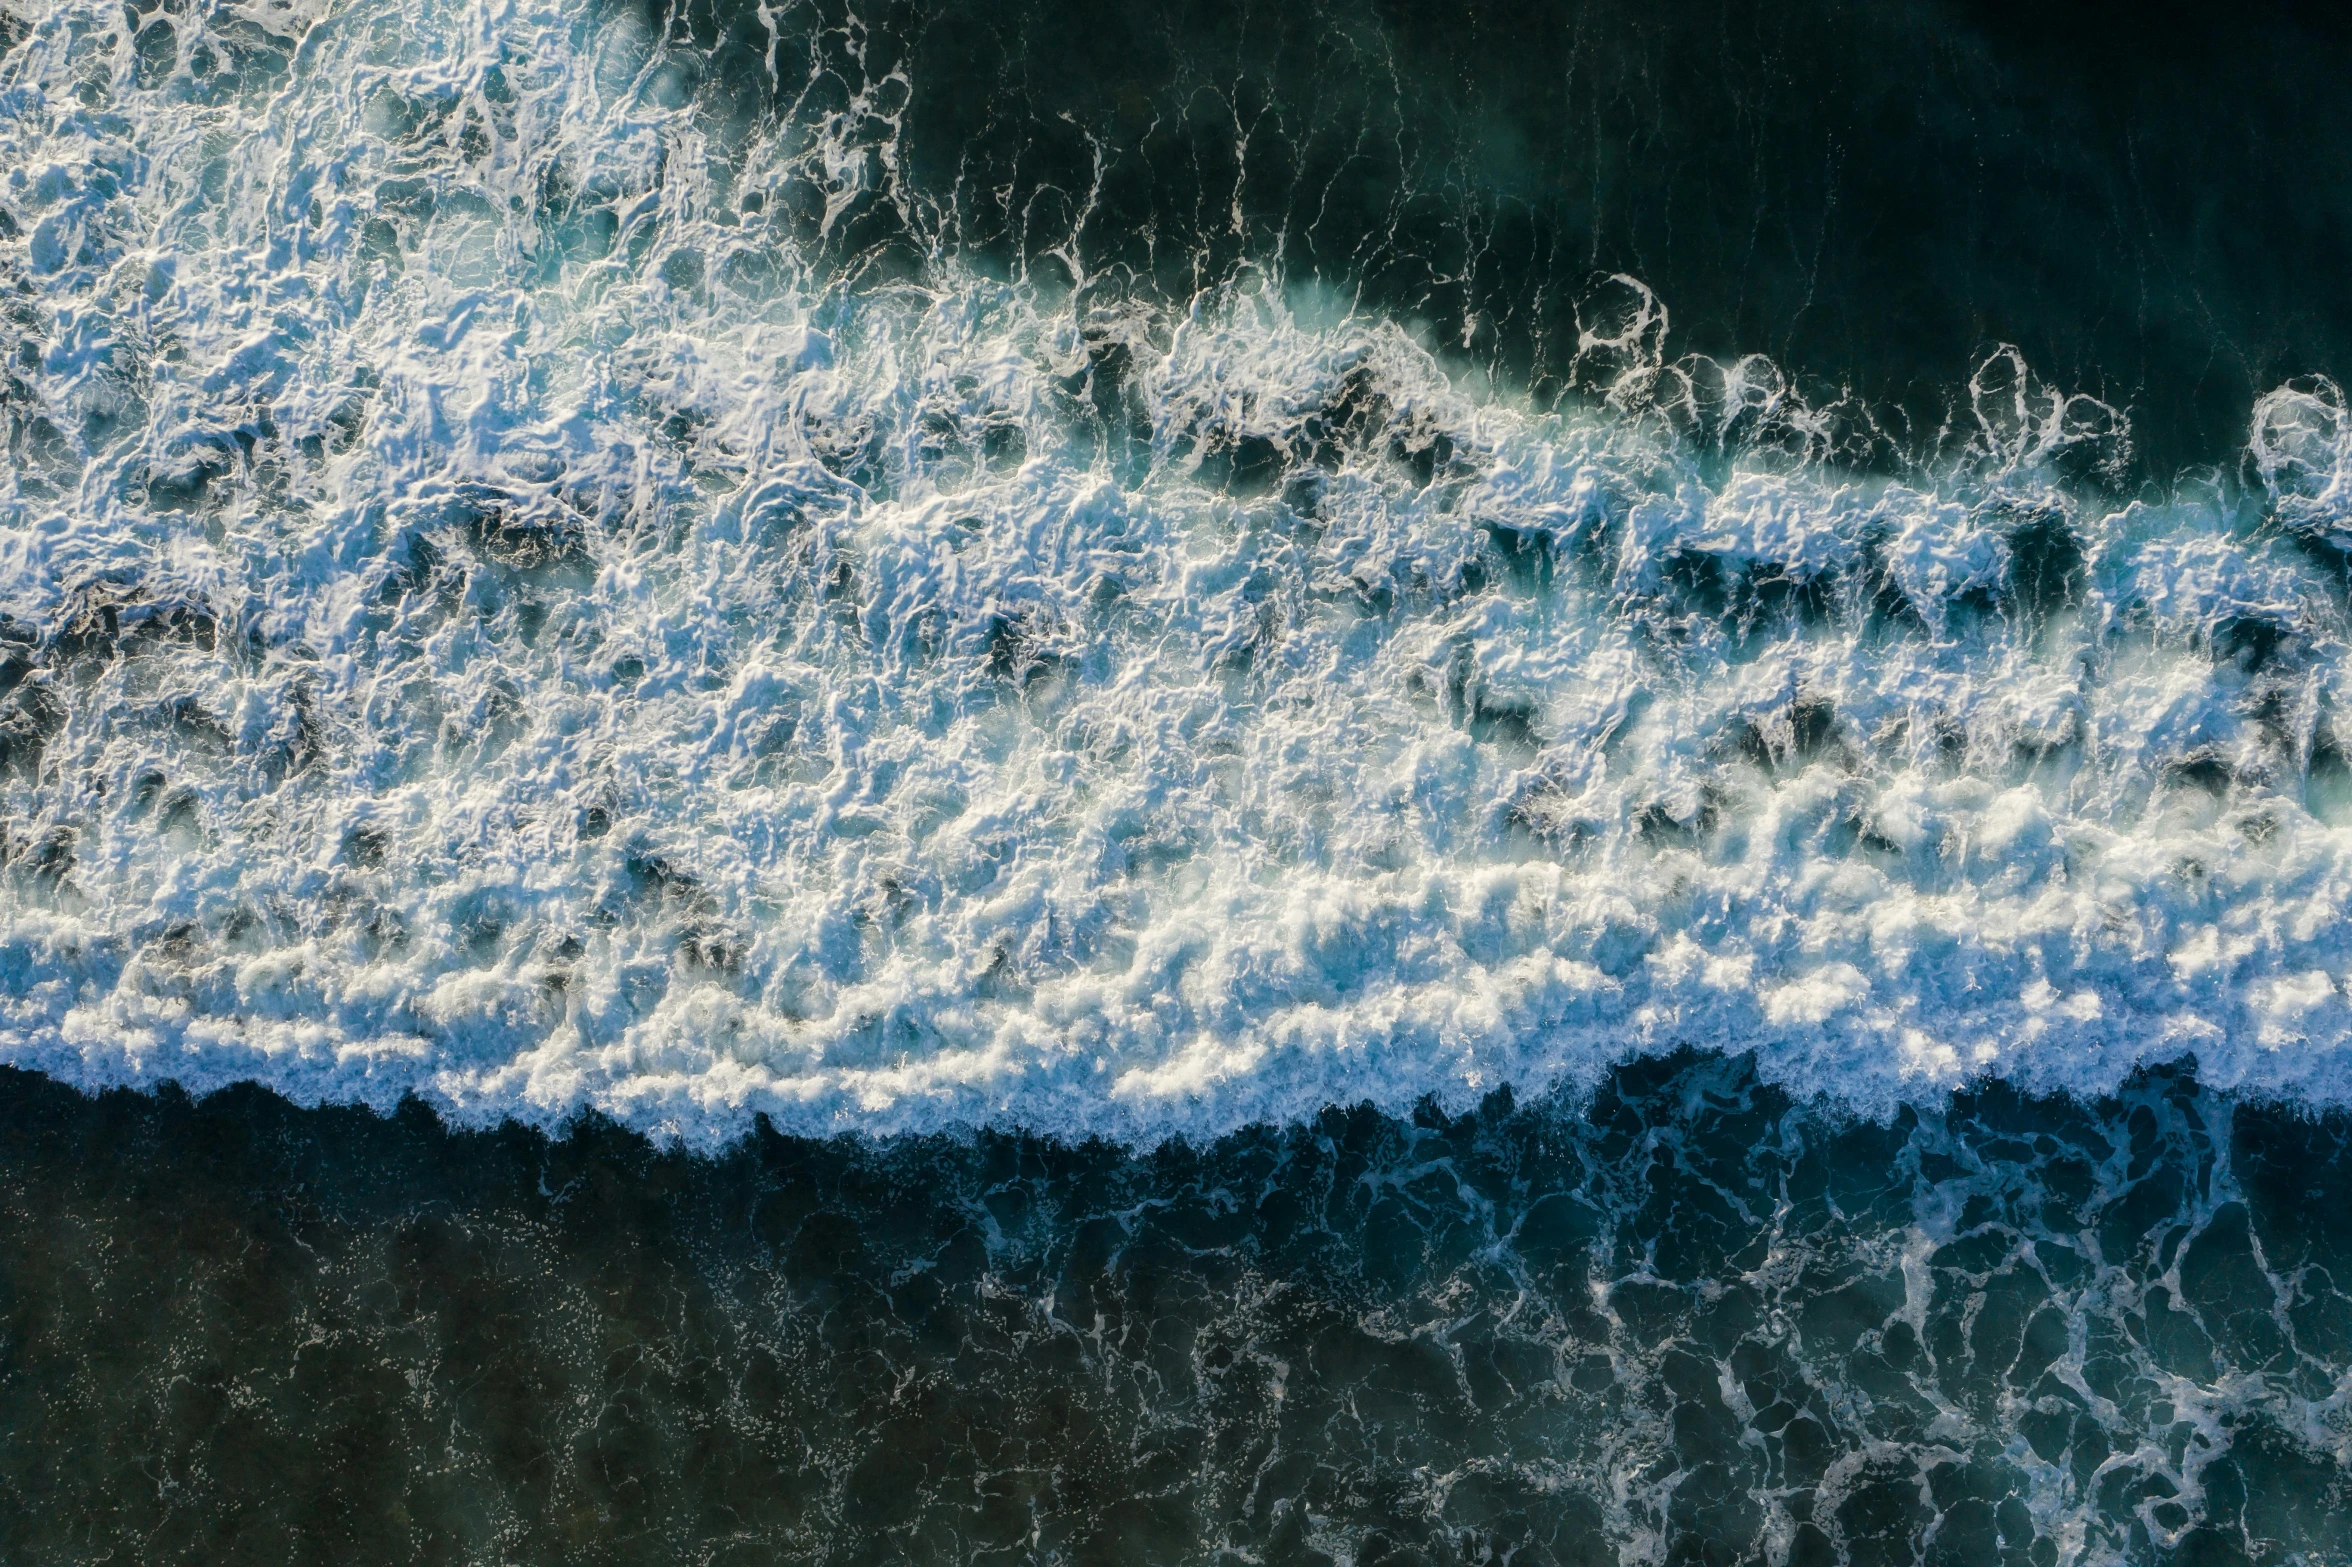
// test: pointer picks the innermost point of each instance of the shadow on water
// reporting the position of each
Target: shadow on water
(1685, 1318)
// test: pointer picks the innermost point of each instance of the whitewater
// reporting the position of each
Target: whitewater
(495, 614)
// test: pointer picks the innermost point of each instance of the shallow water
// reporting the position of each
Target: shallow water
(1018, 667)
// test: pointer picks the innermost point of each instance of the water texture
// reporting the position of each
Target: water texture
(1282, 782)
(1684, 1321)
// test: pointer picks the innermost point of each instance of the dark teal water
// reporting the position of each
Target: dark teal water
(2152, 202)
(1684, 1321)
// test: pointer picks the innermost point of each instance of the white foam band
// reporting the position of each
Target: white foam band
(476, 657)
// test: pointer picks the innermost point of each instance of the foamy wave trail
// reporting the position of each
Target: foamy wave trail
(505, 604)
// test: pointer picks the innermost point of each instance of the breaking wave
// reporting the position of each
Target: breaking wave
(500, 609)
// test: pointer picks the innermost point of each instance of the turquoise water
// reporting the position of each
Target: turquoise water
(1038, 781)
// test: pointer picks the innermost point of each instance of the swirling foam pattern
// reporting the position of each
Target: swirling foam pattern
(498, 613)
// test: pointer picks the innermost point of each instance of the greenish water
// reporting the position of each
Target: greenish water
(1686, 1321)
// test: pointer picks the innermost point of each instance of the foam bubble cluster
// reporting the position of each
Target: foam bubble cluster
(490, 616)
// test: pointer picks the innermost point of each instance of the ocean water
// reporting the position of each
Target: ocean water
(1186, 782)
(1685, 1319)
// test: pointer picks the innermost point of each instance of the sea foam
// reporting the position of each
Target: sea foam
(493, 618)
